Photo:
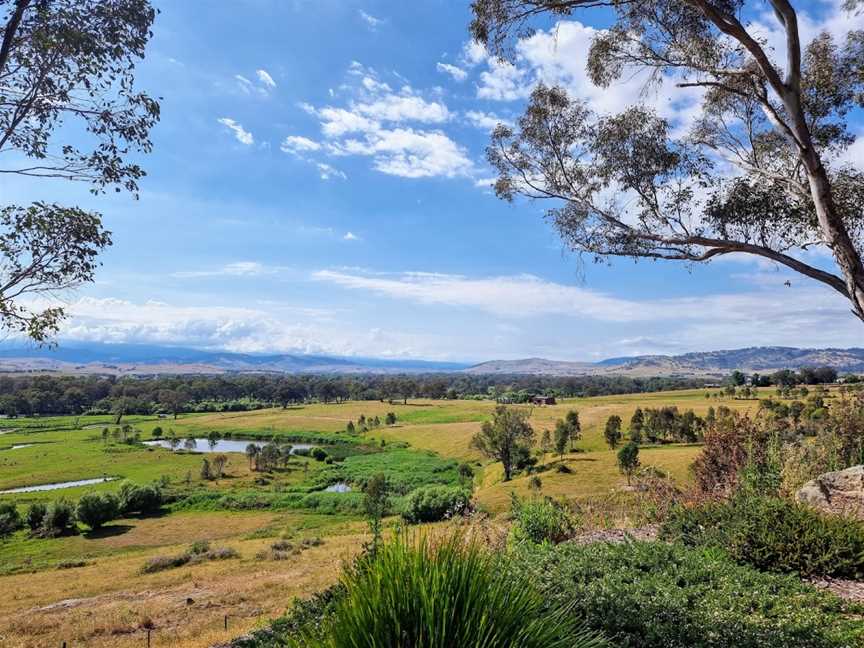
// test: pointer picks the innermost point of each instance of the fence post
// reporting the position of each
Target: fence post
(148, 638)
(226, 621)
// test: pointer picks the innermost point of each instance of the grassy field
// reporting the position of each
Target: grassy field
(105, 601)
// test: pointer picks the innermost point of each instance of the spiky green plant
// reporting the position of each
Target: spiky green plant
(424, 594)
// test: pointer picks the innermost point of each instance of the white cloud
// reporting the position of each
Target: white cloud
(265, 78)
(297, 144)
(485, 120)
(328, 172)
(370, 20)
(242, 135)
(236, 269)
(387, 126)
(350, 236)
(457, 73)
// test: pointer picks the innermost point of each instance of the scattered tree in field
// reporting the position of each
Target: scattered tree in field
(637, 422)
(376, 502)
(206, 474)
(466, 475)
(218, 466)
(104, 435)
(173, 441)
(612, 432)
(252, 451)
(157, 432)
(213, 439)
(546, 441)
(189, 444)
(95, 509)
(390, 419)
(628, 460)
(562, 436)
(505, 437)
(535, 483)
(350, 429)
(376, 422)
(779, 120)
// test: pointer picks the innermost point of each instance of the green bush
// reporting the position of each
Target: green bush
(433, 503)
(318, 454)
(10, 519)
(541, 520)
(656, 595)
(773, 534)
(139, 499)
(95, 509)
(423, 595)
(35, 516)
(59, 519)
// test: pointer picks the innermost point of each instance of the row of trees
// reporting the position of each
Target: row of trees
(789, 378)
(55, 395)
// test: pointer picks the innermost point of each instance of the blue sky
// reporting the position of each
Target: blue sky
(318, 184)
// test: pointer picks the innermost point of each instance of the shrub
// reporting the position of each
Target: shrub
(541, 520)
(318, 454)
(421, 594)
(198, 552)
(35, 516)
(433, 503)
(58, 520)
(96, 509)
(10, 519)
(773, 534)
(655, 595)
(139, 499)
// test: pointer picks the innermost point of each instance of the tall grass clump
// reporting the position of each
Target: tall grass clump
(541, 520)
(427, 594)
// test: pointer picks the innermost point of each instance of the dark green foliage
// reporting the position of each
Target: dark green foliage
(612, 432)
(654, 595)
(541, 520)
(507, 438)
(35, 516)
(376, 502)
(10, 519)
(773, 534)
(628, 459)
(318, 454)
(450, 594)
(95, 509)
(139, 499)
(434, 503)
(59, 519)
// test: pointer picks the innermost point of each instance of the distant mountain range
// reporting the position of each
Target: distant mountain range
(139, 359)
(704, 363)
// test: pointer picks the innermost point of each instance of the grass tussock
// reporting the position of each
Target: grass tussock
(428, 594)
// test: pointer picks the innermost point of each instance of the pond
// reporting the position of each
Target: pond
(341, 487)
(47, 487)
(223, 445)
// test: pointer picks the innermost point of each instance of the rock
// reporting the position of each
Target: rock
(838, 492)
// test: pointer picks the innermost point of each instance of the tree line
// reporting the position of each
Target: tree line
(25, 395)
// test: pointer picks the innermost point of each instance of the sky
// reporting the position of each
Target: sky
(318, 184)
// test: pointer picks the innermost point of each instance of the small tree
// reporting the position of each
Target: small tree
(189, 443)
(157, 432)
(350, 429)
(218, 465)
(95, 509)
(505, 437)
(213, 439)
(390, 419)
(628, 460)
(612, 433)
(35, 516)
(637, 422)
(252, 451)
(562, 435)
(205, 470)
(376, 503)
(546, 441)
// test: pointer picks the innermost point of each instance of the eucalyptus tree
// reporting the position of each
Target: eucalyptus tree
(69, 110)
(762, 170)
